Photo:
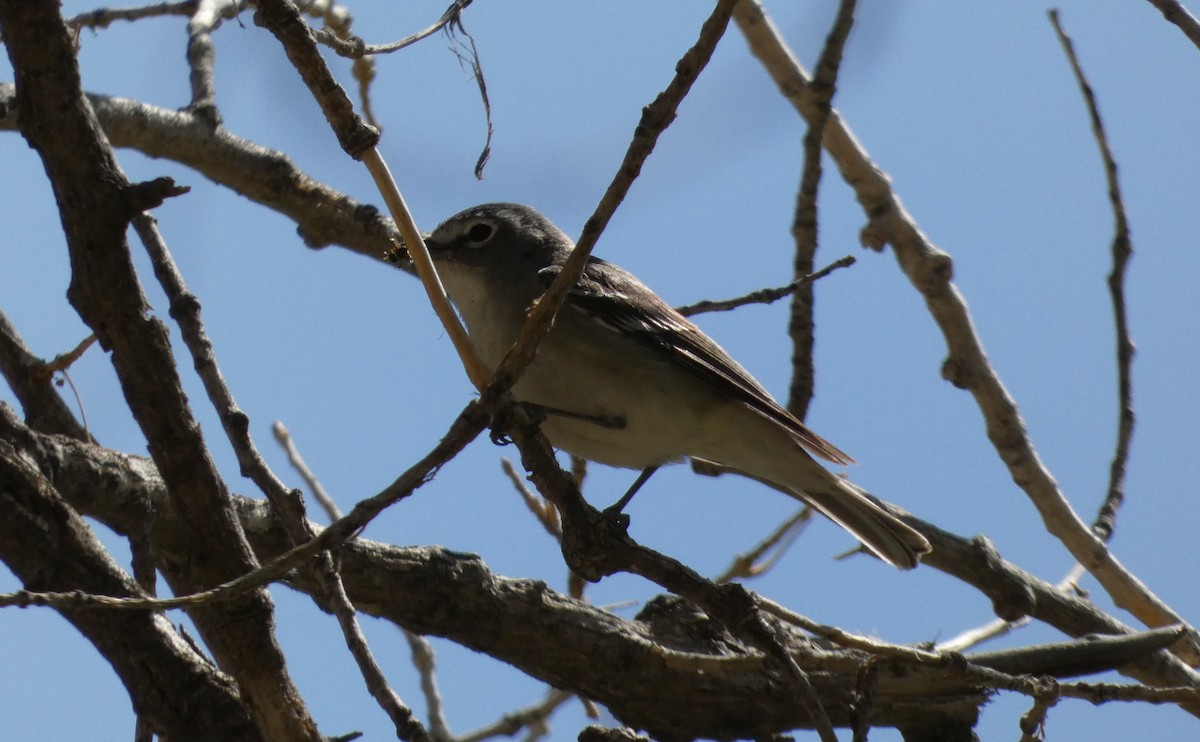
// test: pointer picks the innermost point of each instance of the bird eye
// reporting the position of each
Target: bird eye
(479, 233)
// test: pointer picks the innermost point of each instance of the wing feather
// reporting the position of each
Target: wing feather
(603, 293)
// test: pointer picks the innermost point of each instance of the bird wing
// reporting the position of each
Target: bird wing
(603, 293)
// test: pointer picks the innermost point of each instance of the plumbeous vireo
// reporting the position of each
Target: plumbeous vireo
(618, 351)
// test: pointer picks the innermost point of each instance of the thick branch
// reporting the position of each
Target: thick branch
(322, 215)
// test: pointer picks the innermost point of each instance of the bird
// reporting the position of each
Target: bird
(618, 352)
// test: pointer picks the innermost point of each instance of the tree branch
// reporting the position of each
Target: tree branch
(1174, 12)
(801, 327)
(1122, 250)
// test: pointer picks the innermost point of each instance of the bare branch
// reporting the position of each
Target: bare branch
(104, 17)
(751, 563)
(284, 438)
(348, 48)
(323, 216)
(763, 296)
(1174, 12)
(804, 220)
(423, 660)
(201, 53)
(540, 507)
(1122, 249)
(515, 721)
(359, 140)
(431, 590)
(44, 409)
(408, 727)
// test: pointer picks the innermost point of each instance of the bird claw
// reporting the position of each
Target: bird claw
(616, 517)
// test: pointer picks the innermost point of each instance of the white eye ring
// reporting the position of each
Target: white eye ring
(479, 233)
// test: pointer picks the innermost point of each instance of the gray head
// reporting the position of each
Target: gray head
(499, 233)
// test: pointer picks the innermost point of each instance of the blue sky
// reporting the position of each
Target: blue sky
(971, 110)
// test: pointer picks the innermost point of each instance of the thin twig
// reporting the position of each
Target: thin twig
(804, 221)
(539, 506)
(185, 310)
(104, 17)
(348, 47)
(953, 662)
(511, 723)
(763, 296)
(284, 437)
(407, 726)
(359, 141)
(201, 53)
(1122, 249)
(423, 659)
(87, 433)
(45, 410)
(973, 637)
(63, 361)
(751, 564)
(845, 639)
(344, 611)
(1033, 722)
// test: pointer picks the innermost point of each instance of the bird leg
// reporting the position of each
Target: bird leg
(614, 511)
(612, 422)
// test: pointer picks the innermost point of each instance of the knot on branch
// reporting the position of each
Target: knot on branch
(935, 273)
(1012, 599)
(957, 373)
(151, 194)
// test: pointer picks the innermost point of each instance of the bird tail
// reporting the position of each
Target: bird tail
(860, 513)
